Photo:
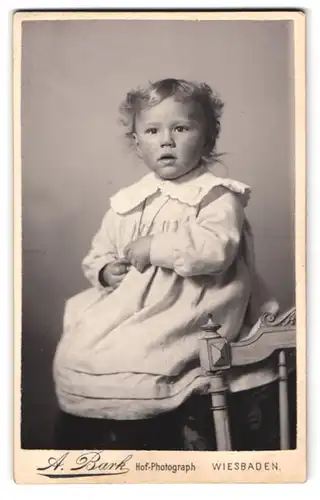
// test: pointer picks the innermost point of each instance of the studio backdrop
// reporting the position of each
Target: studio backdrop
(74, 156)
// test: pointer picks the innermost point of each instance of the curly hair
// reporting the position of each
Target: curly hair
(183, 90)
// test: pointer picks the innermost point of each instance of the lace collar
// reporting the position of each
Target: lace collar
(189, 189)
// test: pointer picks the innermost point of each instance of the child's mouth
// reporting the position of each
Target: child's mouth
(167, 158)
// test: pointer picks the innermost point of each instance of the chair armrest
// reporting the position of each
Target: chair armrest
(271, 334)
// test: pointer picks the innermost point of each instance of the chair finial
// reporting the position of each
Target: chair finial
(211, 326)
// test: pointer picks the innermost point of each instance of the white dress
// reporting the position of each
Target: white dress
(133, 352)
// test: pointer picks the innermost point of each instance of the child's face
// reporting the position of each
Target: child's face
(170, 137)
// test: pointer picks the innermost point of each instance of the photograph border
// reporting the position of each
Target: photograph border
(291, 464)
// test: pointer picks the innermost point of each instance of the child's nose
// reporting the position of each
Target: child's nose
(166, 138)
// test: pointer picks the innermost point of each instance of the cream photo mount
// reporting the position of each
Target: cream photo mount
(283, 334)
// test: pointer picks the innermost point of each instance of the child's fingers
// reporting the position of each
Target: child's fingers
(125, 268)
(123, 261)
(125, 264)
(117, 280)
(118, 268)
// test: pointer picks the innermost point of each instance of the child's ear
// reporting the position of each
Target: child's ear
(136, 143)
(135, 138)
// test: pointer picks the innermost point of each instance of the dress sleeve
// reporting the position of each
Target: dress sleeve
(207, 245)
(103, 250)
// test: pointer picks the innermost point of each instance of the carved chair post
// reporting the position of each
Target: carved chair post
(283, 401)
(272, 334)
(218, 388)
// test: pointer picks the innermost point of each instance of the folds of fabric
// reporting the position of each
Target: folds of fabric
(134, 352)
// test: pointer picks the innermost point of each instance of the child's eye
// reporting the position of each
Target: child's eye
(151, 130)
(181, 128)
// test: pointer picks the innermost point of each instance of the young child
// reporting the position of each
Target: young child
(173, 247)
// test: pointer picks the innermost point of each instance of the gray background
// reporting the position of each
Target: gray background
(74, 75)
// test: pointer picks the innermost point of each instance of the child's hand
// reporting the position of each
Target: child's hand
(138, 253)
(115, 272)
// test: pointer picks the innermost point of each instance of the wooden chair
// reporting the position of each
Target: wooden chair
(274, 336)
